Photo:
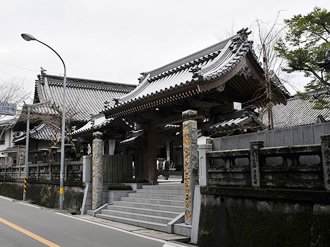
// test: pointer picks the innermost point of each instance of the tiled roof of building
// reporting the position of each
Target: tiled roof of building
(84, 97)
(42, 132)
(295, 113)
(95, 123)
(9, 150)
(199, 68)
(243, 120)
(7, 120)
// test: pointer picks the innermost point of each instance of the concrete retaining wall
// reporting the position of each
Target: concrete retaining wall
(46, 195)
(265, 217)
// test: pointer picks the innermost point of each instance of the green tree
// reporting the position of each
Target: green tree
(304, 48)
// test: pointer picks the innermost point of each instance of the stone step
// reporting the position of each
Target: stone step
(164, 187)
(154, 201)
(143, 217)
(145, 211)
(178, 209)
(136, 222)
(182, 229)
(158, 196)
(161, 191)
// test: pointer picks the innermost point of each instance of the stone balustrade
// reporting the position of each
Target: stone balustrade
(291, 167)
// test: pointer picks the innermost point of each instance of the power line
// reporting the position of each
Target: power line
(17, 66)
(20, 67)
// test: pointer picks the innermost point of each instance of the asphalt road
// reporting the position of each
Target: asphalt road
(27, 225)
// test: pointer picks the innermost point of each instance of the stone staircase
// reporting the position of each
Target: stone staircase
(158, 207)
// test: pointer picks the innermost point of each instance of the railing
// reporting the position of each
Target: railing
(44, 171)
(291, 167)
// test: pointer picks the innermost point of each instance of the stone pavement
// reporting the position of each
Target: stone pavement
(171, 238)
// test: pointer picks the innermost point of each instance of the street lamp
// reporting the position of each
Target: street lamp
(29, 37)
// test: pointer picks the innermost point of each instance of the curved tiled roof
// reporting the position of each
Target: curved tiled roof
(84, 97)
(42, 132)
(6, 120)
(189, 72)
(242, 119)
(95, 123)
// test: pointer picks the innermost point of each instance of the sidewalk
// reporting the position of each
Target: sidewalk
(171, 238)
(176, 240)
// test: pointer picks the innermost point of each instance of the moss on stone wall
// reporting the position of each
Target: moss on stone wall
(238, 220)
(12, 190)
(45, 195)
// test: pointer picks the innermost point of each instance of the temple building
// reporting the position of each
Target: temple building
(210, 81)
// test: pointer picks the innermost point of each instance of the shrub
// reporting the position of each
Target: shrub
(137, 180)
(119, 187)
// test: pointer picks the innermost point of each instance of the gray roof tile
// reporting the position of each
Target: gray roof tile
(243, 119)
(84, 97)
(295, 113)
(97, 122)
(42, 132)
(202, 66)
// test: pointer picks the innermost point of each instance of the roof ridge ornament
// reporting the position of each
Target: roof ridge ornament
(42, 75)
(196, 70)
(239, 39)
(143, 75)
(244, 33)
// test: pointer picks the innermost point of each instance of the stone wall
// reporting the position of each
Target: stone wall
(46, 195)
(265, 217)
(275, 196)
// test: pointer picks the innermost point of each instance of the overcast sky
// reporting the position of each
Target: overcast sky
(117, 40)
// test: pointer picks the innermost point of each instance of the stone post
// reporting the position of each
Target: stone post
(203, 163)
(255, 162)
(97, 167)
(190, 161)
(325, 147)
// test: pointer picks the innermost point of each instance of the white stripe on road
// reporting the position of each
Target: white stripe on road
(6, 198)
(26, 204)
(170, 245)
(166, 244)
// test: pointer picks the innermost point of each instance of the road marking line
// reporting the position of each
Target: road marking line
(30, 234)
(26, 204)
(6, 198)
(125, 231)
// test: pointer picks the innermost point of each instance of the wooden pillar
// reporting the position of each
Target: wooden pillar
(97, 166)
(151, 156)
(190, 161)
(168, 152)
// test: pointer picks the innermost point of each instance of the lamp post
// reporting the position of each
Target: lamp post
(29, 37)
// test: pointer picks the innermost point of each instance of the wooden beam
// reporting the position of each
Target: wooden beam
(203, 104)
(174, 119)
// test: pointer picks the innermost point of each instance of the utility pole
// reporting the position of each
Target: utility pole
(27, 136)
